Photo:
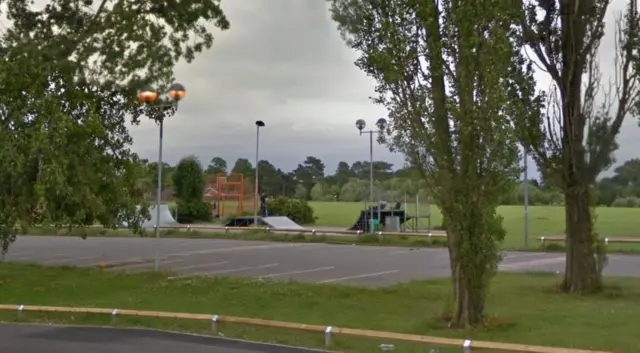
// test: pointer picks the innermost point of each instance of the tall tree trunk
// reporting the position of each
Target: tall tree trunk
(581, 270)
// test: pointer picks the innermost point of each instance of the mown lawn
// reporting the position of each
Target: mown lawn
(523, 308)
(543, 220)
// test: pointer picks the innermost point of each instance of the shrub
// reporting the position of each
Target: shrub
(297, 210)
(624, 202)
(188, 179)
(194, 211)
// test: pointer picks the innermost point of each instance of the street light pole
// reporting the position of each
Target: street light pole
(526, 199)
(381, 124)
(259, 124)
(156, 262)
(371, 167)
(149, 97)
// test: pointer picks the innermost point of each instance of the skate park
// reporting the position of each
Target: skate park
(233, 204)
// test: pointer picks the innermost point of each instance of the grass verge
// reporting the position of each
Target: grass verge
(600, 322)
(367, 239)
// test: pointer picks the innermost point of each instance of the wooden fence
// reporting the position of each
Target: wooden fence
(329, 332)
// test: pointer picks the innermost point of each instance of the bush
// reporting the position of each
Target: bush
(624, 202)
(194, 211)
(298, 211)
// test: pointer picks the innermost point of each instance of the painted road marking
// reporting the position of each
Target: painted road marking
(182, 268)
(149, 264)
(128, 261)
(358, 276)
(528, 264)
(68, 260)
(362, 248)
(298, 272)
(248, 268)
(237, 248)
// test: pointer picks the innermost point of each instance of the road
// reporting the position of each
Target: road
(321, 263)
(23, 338)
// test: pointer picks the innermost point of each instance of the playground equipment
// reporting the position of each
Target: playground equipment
(230, 195)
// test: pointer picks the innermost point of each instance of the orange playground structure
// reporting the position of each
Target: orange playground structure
(230, 195)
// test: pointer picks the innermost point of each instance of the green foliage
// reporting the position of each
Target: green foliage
(192, 211)
(188, 179)
(74, 68)
(297, 210)
(455, 118)
(626, 202)
(188, 182)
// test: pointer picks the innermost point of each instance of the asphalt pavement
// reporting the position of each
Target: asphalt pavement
(28, 338)
(320, 263)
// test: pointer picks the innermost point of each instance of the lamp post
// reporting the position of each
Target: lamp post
(259, 124)
(360, 125)
(526, 198)
(167, 101)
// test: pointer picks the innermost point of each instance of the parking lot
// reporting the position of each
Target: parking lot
(320, 263)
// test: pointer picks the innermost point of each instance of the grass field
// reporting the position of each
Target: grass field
(603, 322)
(543, 220)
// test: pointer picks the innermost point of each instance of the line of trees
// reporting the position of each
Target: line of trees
(350, 183)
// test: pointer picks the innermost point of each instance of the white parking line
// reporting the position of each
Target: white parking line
(359, 276)
(519, 256)
(68, 260)
(530, 264)
(420, 250)
(297, 272)
(231, 270)
(362, 249)
(126, 267)
(115, 262)
(182, 268)
(236, 248)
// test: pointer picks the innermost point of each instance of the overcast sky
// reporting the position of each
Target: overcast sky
(283, 62)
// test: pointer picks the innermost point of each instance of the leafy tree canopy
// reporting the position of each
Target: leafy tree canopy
(69, 72)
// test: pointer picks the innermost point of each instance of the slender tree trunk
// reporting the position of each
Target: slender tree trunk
(581, 271)
(468, 289)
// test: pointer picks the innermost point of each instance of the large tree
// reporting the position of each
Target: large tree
(70, 71)
(576, 137)
(454, 87)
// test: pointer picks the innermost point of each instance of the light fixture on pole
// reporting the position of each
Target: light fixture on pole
(259, 124)
(526, 197)
(381, 124)
(153, 100)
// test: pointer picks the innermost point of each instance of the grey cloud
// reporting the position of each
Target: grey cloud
(283, 62)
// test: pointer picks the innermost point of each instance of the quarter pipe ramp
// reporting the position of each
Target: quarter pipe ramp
(166, 218)
(271, 222)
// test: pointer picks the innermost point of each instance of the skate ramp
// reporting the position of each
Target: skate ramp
(166, 218)
(362, 223)
(271, 222)
(281, 222)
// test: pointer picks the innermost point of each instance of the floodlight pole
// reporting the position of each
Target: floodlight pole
(371, 170)
(256, 198)
(526, 198)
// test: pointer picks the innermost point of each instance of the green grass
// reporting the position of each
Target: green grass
(543, 220)
(602, 322)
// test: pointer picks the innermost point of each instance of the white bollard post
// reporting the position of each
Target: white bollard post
(327, 336)
(114, 313)
(214, 324)
(466, 346)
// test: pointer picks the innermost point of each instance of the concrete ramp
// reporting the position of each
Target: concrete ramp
(281, 222)
(166, 218)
